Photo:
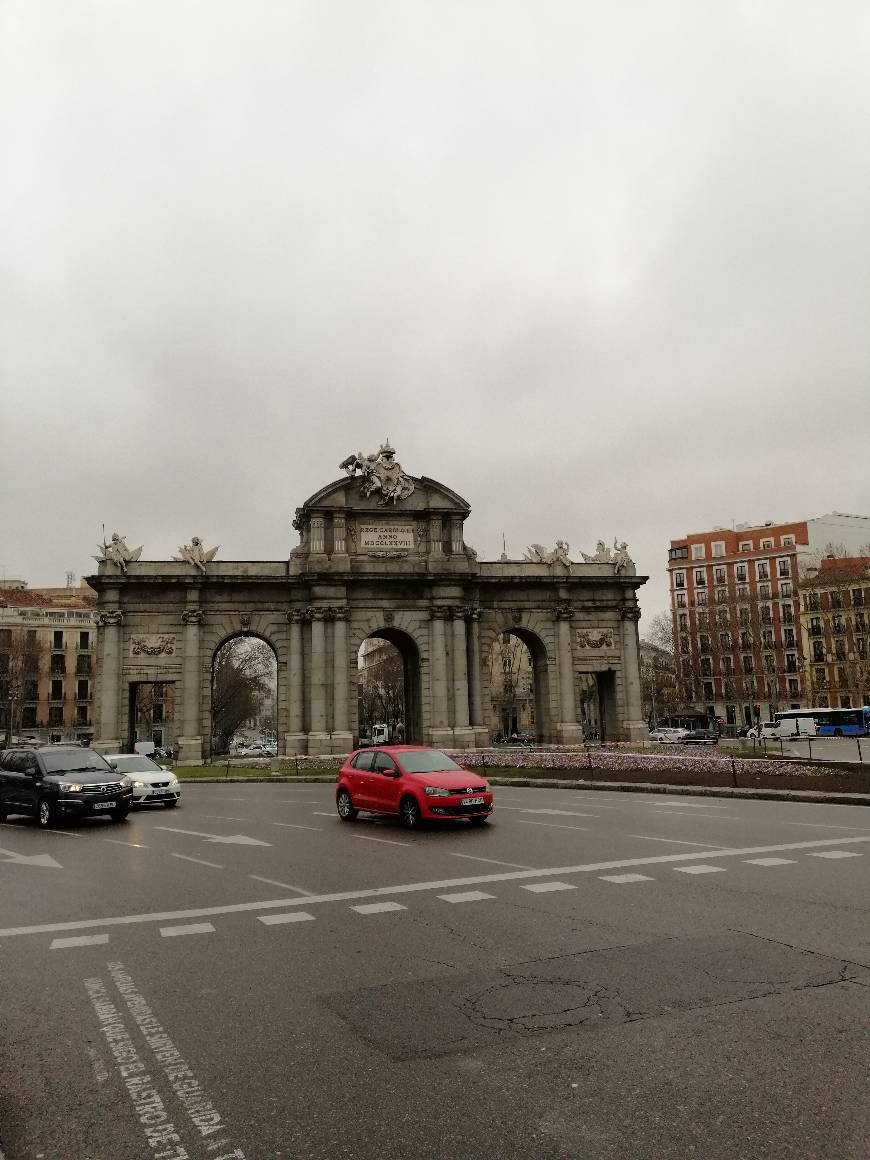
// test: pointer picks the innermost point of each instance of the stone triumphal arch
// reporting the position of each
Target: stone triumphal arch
(381, 554)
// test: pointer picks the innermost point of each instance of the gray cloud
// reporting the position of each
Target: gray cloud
(603, 269)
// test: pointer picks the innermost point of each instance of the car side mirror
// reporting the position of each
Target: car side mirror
(113, 764)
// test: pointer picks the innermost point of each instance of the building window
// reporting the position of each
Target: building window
(769, 663)
(811, 601)
(697, 551)
(788, 638)
(815, 626)
(837, 622)
(57, 690)
(55, 715)
(84, 641)
(860, 622)
(31, 690)
(704, 643)
(845, 701)
(681, 600)
(683, 621)
(717, 548)
(857, 597)
(81, 715)
(785, 588)
(684, 644)
(708, 690)
(767, 638)
(703, 620)
(678, 553)
(861, 647)
(791, 663)
(820, 677)
(740, 573)
(57, 638)
(786, 614)
(83, 690)
(840, 649)
(762, 570)
(28, 717)
(706, 667)
(746, 640)
(720, 574)
(835, 600)
(701, 597)
(724, 617)
(83, 664)
(766, 614)
(748, 665)
(783, 568)
(727, 665)
(764, 592)
(745, 617)
(700, 578)
(794, 688)
(679, 579)
(766, 544)
(818, 651)
(725, 641)
(745, 546)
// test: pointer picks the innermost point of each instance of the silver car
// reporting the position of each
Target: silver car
(153, 784)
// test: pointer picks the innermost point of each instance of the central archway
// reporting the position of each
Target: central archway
(520, 685)
(407, 710)
(244, 692)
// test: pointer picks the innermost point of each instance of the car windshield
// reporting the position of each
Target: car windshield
(136, 764)
(426, 761)
(73, 761)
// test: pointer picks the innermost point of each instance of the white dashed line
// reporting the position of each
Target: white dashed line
(826, 826)
(620, 878)
(199, 861)
(710, 817)
(466, 896)
(378, 907)
(82, 940)
(547, 887)
(189, 928)
(280, 919)
(679, 842)
(554, 825)
(700, 869)
(283, 885)
(386, 841)
(494, 861)
(836, 854)
(121, 842)
(770, 861)
(291, 826)
(321, 814)
(224, 818)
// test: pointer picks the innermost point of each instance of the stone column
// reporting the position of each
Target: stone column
(318, 738)
(296, 739)
(342, 738)
(440, 732)
(190, 742)
(568, 730)
(475, 690)
(463, 735)
(634, 727)
(109, 655)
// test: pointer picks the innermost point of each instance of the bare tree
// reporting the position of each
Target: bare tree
(510, 679)
(658, 675)
(242, 676)
(19, 668)
(381, 690)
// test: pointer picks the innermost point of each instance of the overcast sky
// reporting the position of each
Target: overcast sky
(603, 268)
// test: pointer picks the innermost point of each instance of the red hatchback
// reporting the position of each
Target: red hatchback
(412, 782)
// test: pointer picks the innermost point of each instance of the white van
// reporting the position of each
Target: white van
(784, 729)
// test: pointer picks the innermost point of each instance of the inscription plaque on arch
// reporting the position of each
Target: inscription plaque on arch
(386, 536)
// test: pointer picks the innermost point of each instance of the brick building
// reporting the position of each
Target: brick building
(736, 612)
(47, 649)
(835, 598)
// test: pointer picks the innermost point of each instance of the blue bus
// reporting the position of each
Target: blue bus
(836, 722)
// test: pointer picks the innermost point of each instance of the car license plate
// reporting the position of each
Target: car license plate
(478, 801)
(104, 805)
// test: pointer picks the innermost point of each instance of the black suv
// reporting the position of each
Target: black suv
(52, 782)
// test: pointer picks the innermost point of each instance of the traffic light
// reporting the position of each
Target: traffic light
(757, 709)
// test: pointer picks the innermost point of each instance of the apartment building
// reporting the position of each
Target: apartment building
(47, 650)
(736, 612)
(835, 599)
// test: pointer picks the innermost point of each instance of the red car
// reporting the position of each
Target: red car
(412, 782)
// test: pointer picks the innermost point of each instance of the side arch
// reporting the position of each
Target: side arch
(542, 653)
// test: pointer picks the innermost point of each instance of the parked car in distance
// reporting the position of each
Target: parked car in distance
(667, 734)
(152, 783)
(704, 735)
(54, 782)
(411, 782)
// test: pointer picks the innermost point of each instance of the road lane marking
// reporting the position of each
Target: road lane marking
(30, 860)
(199, 861)
(291, 826)
(283, 885)
(548, 887)
(224, 818)
(321, 814)
(621, 878)
(81, 940)
(711, 817)
(386, 841)
(689, 805)
(189, 928)
(422, 887)
(699, 869)
(679, 842)
(279, 919)
(826, 826)
(121, 842)
(554, 825)
(466, 896)
(494, 861)
(770, 861)
(836, 854)
(223, 839)
(378, 907)
(557, 813)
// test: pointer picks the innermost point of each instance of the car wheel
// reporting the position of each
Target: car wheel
(409, 813)
(171, 805)
(344, 805)
(479, 821)
(120, 815)
(44, 814)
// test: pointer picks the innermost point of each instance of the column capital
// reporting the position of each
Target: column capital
(629, 613)
(317, 612)
(192, 616)
(472, 612)
(563, 611)
(297, 615)
(457, 612)
(107, 618)
(340, 612)
(441, 612)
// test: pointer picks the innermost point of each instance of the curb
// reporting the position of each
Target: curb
(789, 795)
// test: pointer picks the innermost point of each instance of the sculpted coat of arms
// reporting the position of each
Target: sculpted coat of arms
(382, 475)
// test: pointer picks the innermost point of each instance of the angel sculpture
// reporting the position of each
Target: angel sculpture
(117, 552)
(194, 553)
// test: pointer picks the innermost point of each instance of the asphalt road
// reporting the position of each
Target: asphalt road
(592, 975)
(850, 749)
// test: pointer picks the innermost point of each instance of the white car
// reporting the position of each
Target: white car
(668, 735)
(153, 784)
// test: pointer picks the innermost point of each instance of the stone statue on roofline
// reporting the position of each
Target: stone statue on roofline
(196, 554)
(117, 552)
(382, 475)
(538, 554)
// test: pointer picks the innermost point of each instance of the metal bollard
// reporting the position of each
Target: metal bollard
(860, 757)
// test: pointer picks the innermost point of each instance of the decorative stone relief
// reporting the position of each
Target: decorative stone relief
(595, 638)
(153, 645)
(117, 552)
(192, 616)
(296, 615)
(104, 619)
(245, 619)
(389, 618)
(517, 615)
(195, 554)
(382, 475)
